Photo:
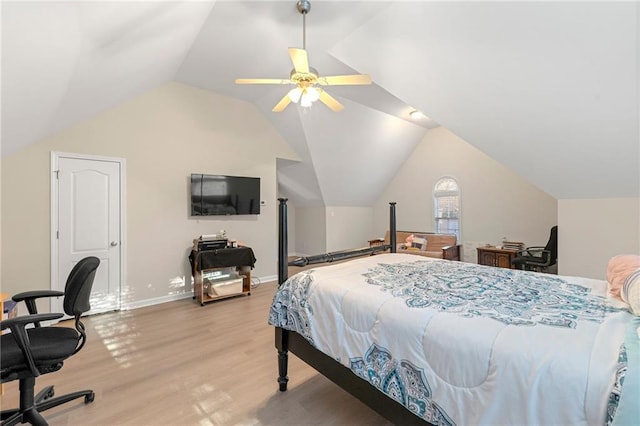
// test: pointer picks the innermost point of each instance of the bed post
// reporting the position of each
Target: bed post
(282, 344)
(282, 336)
(283, 238)
(392, 227)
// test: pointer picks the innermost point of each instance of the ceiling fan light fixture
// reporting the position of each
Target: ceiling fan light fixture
(308, 85)
(312, 93)
(304, 95)
(295, 94)
(305, 102)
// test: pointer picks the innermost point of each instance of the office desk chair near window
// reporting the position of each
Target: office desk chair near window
(27, 353)
(538, 258)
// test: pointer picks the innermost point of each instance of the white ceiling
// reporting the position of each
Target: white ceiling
(551, 90)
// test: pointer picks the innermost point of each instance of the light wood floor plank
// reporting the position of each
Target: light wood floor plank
(180, 363)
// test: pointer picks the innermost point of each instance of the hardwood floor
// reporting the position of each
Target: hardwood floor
(180, 363)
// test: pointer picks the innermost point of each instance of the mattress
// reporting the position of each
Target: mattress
(460, 343)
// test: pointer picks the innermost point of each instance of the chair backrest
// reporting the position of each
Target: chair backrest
(552, 244)
(77, 290)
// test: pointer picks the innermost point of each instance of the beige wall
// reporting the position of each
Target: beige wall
(590, 232)
(317, 230)
(310, 231)
(495, 202)
(348, 227)
(164, 135)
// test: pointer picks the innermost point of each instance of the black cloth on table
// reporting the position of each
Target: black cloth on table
(221, 258)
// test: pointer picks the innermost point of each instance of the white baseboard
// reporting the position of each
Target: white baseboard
(268, 278)
(175, 297)
(298, 254)
(155, 301)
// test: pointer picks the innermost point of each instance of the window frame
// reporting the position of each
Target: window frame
(442, 193)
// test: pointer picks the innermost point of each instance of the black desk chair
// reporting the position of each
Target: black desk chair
(538, 258)
(28, 353)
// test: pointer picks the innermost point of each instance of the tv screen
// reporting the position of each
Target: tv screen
(213, 195)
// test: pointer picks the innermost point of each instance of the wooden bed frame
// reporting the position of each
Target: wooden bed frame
(288, 341)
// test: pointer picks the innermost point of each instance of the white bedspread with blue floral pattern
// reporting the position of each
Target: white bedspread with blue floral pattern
(460, 343)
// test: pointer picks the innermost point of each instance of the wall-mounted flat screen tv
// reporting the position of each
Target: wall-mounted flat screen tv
(213, 195)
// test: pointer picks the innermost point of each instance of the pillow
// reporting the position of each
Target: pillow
(407, 242)
(630, 292)
(618, 269)
(419, 242)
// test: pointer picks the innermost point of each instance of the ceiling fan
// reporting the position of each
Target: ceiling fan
(308, 83)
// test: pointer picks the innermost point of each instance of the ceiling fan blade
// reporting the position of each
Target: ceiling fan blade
(330, 101)
(345, 79)
(282, 104)
(261, 81)
(299, 59)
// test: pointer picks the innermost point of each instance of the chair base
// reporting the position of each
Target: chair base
(545, 269)
(525, 265)
(31, 406)
(535, 268)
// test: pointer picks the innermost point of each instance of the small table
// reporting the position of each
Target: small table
(376, 242)
(208, 262)
(494, 256)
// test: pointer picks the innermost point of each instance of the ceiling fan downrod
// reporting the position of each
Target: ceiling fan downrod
(304, 6)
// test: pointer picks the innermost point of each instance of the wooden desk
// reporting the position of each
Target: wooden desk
(498, 257)
(3, 297)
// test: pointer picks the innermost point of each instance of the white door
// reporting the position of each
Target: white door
(87, 202)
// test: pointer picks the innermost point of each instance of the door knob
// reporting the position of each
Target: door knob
(114, 243)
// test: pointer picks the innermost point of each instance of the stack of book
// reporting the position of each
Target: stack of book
(512, 245)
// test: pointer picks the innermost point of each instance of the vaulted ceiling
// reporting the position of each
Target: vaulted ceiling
(549, 89)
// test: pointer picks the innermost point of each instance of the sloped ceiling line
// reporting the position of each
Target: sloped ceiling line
(549, 89)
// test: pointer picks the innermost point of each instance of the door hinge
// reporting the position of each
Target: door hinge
(57, 172)
(57, 235)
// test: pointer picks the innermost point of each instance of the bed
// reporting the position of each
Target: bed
(430, 341)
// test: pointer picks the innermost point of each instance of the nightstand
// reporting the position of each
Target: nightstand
(494, 256)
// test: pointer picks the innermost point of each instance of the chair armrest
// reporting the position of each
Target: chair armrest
(35, 294)
(539, 252)
(451, 252)
(29, 298)
(530, 251)
(17, 325)
(21, 321)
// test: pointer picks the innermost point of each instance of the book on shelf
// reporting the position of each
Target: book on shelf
(512, 245)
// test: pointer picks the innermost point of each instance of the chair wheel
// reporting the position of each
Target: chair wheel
(89, 398)
(49, 394)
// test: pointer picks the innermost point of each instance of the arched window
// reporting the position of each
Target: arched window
(446, 202)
